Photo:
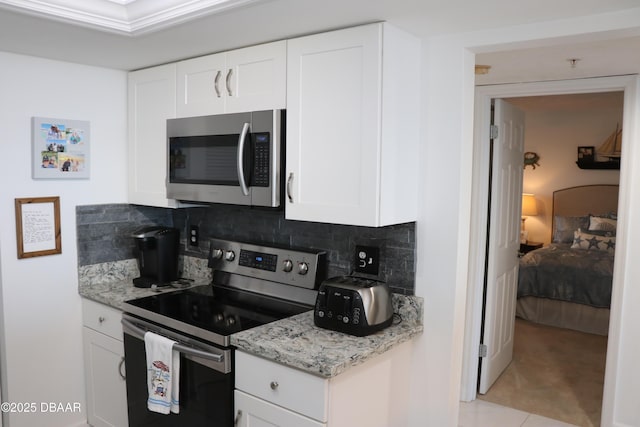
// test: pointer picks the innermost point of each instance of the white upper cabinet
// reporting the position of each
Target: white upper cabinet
(353, 126)
(249, 79)
(151, 101)
(201, 86)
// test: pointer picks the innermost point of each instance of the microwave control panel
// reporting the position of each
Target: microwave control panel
(261, 142)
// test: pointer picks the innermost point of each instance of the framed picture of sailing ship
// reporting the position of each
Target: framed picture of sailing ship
(586, 154)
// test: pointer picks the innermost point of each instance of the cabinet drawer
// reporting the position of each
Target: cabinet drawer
(287, 387)
(102, 318)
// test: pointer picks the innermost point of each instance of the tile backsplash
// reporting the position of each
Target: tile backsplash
(104, 235)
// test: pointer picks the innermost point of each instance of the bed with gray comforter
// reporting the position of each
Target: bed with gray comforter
(568, 283)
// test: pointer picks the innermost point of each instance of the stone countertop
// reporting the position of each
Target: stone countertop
(115, 293)
(295, 341)
(111, 283)
(298, 343)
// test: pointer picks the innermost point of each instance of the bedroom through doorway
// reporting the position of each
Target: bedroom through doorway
(567, 136)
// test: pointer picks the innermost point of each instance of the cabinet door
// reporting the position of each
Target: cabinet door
(256, 78)
(151, 101)
(106, 388)
(254, 412)
(201, 86)
(333, 126)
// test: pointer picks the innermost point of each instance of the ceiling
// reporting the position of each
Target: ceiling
(129, 17)
(143, 33)
(594, 59)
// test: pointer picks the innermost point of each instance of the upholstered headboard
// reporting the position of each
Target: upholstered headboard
(573, 206)
(585, 200)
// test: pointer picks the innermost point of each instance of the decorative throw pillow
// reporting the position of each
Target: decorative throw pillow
(582, 240)
(597, 223)
(564, 226)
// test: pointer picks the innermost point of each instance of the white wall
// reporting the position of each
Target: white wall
(555, 134)
(443, 240)
(442, 231)
(41, 349)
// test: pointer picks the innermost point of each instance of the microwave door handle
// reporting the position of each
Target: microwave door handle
(241, 141)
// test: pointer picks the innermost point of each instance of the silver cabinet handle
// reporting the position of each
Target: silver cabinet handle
(274, 385)
(289, 186)
(243, 136)
(237, 419)
(120, 365)
(215, 83)
(229, 81)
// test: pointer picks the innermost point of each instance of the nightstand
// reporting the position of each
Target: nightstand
(529, 246)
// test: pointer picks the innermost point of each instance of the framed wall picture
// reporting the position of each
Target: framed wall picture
(60, 148)
(586, 154)
(38, 226)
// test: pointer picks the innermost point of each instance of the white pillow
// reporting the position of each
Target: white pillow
(597, 223)
(582, 240)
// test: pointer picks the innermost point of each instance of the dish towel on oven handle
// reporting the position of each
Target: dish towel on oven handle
(163, 374)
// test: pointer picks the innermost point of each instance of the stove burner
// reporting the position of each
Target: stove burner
(221, 312)
(250, 288)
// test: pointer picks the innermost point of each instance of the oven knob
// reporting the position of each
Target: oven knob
(230, 256)
(303, 268)
(216, 253)
(287, 265)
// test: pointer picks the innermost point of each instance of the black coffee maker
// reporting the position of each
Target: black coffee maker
(157, 254)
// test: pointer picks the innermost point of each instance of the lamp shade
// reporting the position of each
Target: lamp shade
(529, 206)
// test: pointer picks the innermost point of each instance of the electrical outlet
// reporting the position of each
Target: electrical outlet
(194, 235)
(367, 259)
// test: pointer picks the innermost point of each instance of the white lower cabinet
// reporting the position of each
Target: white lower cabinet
(373, 394)
(104, 366)
(251, 412)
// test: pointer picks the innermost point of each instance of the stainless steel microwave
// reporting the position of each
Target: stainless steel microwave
(227, 158)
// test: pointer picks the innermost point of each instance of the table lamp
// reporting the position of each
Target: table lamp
(529, 208)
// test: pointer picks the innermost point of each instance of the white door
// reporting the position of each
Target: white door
(504, 243)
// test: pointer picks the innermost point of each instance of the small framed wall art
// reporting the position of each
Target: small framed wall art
(586, 154)
(38, 226)
(60, 148)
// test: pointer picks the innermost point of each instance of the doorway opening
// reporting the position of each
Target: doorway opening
(484, 95)
(559, 350)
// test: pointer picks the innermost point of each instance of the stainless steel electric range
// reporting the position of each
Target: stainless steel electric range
(252, 285)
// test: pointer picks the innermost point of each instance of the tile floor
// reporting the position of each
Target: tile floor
(485, 414)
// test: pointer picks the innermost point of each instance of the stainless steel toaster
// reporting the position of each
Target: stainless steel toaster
(353, 305)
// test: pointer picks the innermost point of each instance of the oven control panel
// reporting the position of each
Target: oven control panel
(260, 260)
(294, 266)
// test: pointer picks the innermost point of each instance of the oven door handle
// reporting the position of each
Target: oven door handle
(138, 332)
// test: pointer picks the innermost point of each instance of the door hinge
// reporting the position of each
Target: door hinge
(493, 132)
(482, 350)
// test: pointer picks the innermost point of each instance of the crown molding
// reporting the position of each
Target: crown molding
(128, 17)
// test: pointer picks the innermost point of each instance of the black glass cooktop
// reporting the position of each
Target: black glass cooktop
(211, 313)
